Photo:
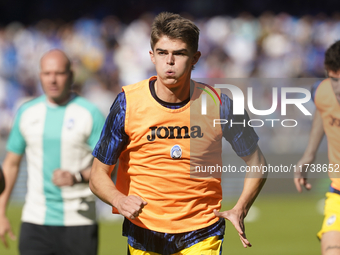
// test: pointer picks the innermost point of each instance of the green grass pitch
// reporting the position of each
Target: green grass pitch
(285, 224)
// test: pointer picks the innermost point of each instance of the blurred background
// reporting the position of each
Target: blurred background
(108, 43)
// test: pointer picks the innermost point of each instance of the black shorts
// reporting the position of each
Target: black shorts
(58, 240)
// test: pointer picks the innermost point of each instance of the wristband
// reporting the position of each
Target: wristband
(78, 177)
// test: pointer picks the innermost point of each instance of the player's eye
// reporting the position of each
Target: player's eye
(180, 53)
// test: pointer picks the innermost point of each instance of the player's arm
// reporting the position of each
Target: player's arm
(65, 178)
(10, 166)
(243, 140)
(253, 181)
(103, 187)
(82, 176)
(315, 138)
(113, 140)
(253, 184)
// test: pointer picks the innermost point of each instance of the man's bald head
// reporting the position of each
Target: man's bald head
(57, 54)
(56, 76)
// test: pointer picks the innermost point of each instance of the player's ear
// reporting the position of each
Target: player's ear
(196, 57)
(152, 56)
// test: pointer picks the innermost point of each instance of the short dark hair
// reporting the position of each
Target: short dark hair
(175, 27)
(332, 57)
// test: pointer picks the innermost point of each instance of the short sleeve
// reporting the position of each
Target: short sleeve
(16, 142)
(98, 123)
(113, 139)
(237, 132)
(314, 88)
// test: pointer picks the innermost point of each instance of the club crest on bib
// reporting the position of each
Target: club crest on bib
(176, 152)
(331, 220)
(70, 124)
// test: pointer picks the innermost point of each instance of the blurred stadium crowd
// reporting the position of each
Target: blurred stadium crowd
(108, 53)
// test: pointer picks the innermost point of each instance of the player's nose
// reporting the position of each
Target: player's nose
(170, 59)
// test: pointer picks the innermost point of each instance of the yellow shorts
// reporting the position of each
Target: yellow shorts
(209, 246)
(331, 221)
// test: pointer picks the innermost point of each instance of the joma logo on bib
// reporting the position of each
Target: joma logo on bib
(174, 132)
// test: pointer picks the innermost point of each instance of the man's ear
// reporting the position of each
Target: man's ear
(196, 57)
(152, 56)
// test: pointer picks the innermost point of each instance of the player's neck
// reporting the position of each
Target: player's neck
(60, 101)
(172, 94)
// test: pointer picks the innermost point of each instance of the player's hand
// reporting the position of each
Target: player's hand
(237, 219)
(62, 178)
(5, 228)
(300, 176)
(131, 206)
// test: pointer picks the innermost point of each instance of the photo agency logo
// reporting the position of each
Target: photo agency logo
(238, 105)
(204, 98)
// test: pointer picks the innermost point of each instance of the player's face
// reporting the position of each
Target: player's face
(173, 60)
(335, 81)
(56, 78)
